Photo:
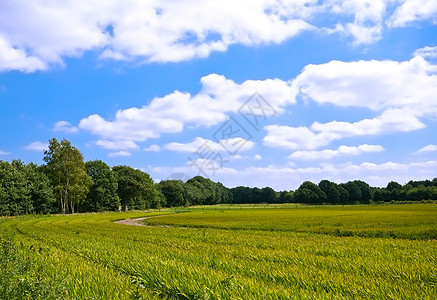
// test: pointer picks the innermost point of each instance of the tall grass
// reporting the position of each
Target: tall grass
(416, 221)
(20, 275)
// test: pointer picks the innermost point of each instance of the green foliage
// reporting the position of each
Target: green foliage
(136, 189)
(196, 191)
(308, 192)
(242, 194)
(102, 195)
(285, 197)
(66, 183)
(67, 172)
(207, 191)
(331, 190)
(41, 192)
(14, 190)
(174, 192)
(24, 189)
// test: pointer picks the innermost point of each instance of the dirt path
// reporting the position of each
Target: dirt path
(139, 222)
(134, 222)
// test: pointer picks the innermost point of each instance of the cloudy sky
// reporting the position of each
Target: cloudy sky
(246, 92)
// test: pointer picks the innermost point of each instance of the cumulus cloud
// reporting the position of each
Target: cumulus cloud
(427, 148)
(368, 19)
(401, 93)
(121, 153)
(331, 153)
(153, 148)
(201, 144)
(372, 84)
(414, 10)
(426, 52)
(158, 31)
(65, 126)
(12, 58)
(37, 146)
(117, 145)
(173, 31)
(171, 113)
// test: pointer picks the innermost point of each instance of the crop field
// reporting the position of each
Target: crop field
(324, 252)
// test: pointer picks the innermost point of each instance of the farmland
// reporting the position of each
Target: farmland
(231, 252)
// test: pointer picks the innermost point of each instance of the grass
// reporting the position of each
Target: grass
(362, 252)
(415, 221)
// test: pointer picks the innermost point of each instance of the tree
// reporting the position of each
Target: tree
(308, 192)
(103, 193)
(41, 192)
(14, 190)
(256, 195)
(392, 185)
(196, 191)
(67, 173)
(365, 191)
(207, 191)
(208, 188)
(331, 190)
(353, 190)
(381, 195)
(395, 191)
(344, 194)
(224, 194)
(136, 189)
(174, 192)
(268, 195)
(285, 197)
(241, 195)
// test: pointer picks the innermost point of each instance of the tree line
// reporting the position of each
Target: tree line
(67, 184)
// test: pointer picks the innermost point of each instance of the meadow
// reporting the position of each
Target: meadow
(227, 252)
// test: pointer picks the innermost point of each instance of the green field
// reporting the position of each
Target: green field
(324, 252)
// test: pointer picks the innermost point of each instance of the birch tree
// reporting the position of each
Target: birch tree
(67, 172)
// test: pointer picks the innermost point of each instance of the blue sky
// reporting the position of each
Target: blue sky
(256, 93)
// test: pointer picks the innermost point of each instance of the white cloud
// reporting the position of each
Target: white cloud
(368, 18)
(37, 146)
(158, 31)
(292, 137)
(201, 144)
(257, 157)
(119, 154)
(12, 58)
(372, 84)
(65, 126)
(401, 92)
(169, 114)
(4, 152)
(153, 148)
(117, 145)
(414, 10)
(427, 52)
(330, 153)
(286, 177)
(427, 148)
(173, 31)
